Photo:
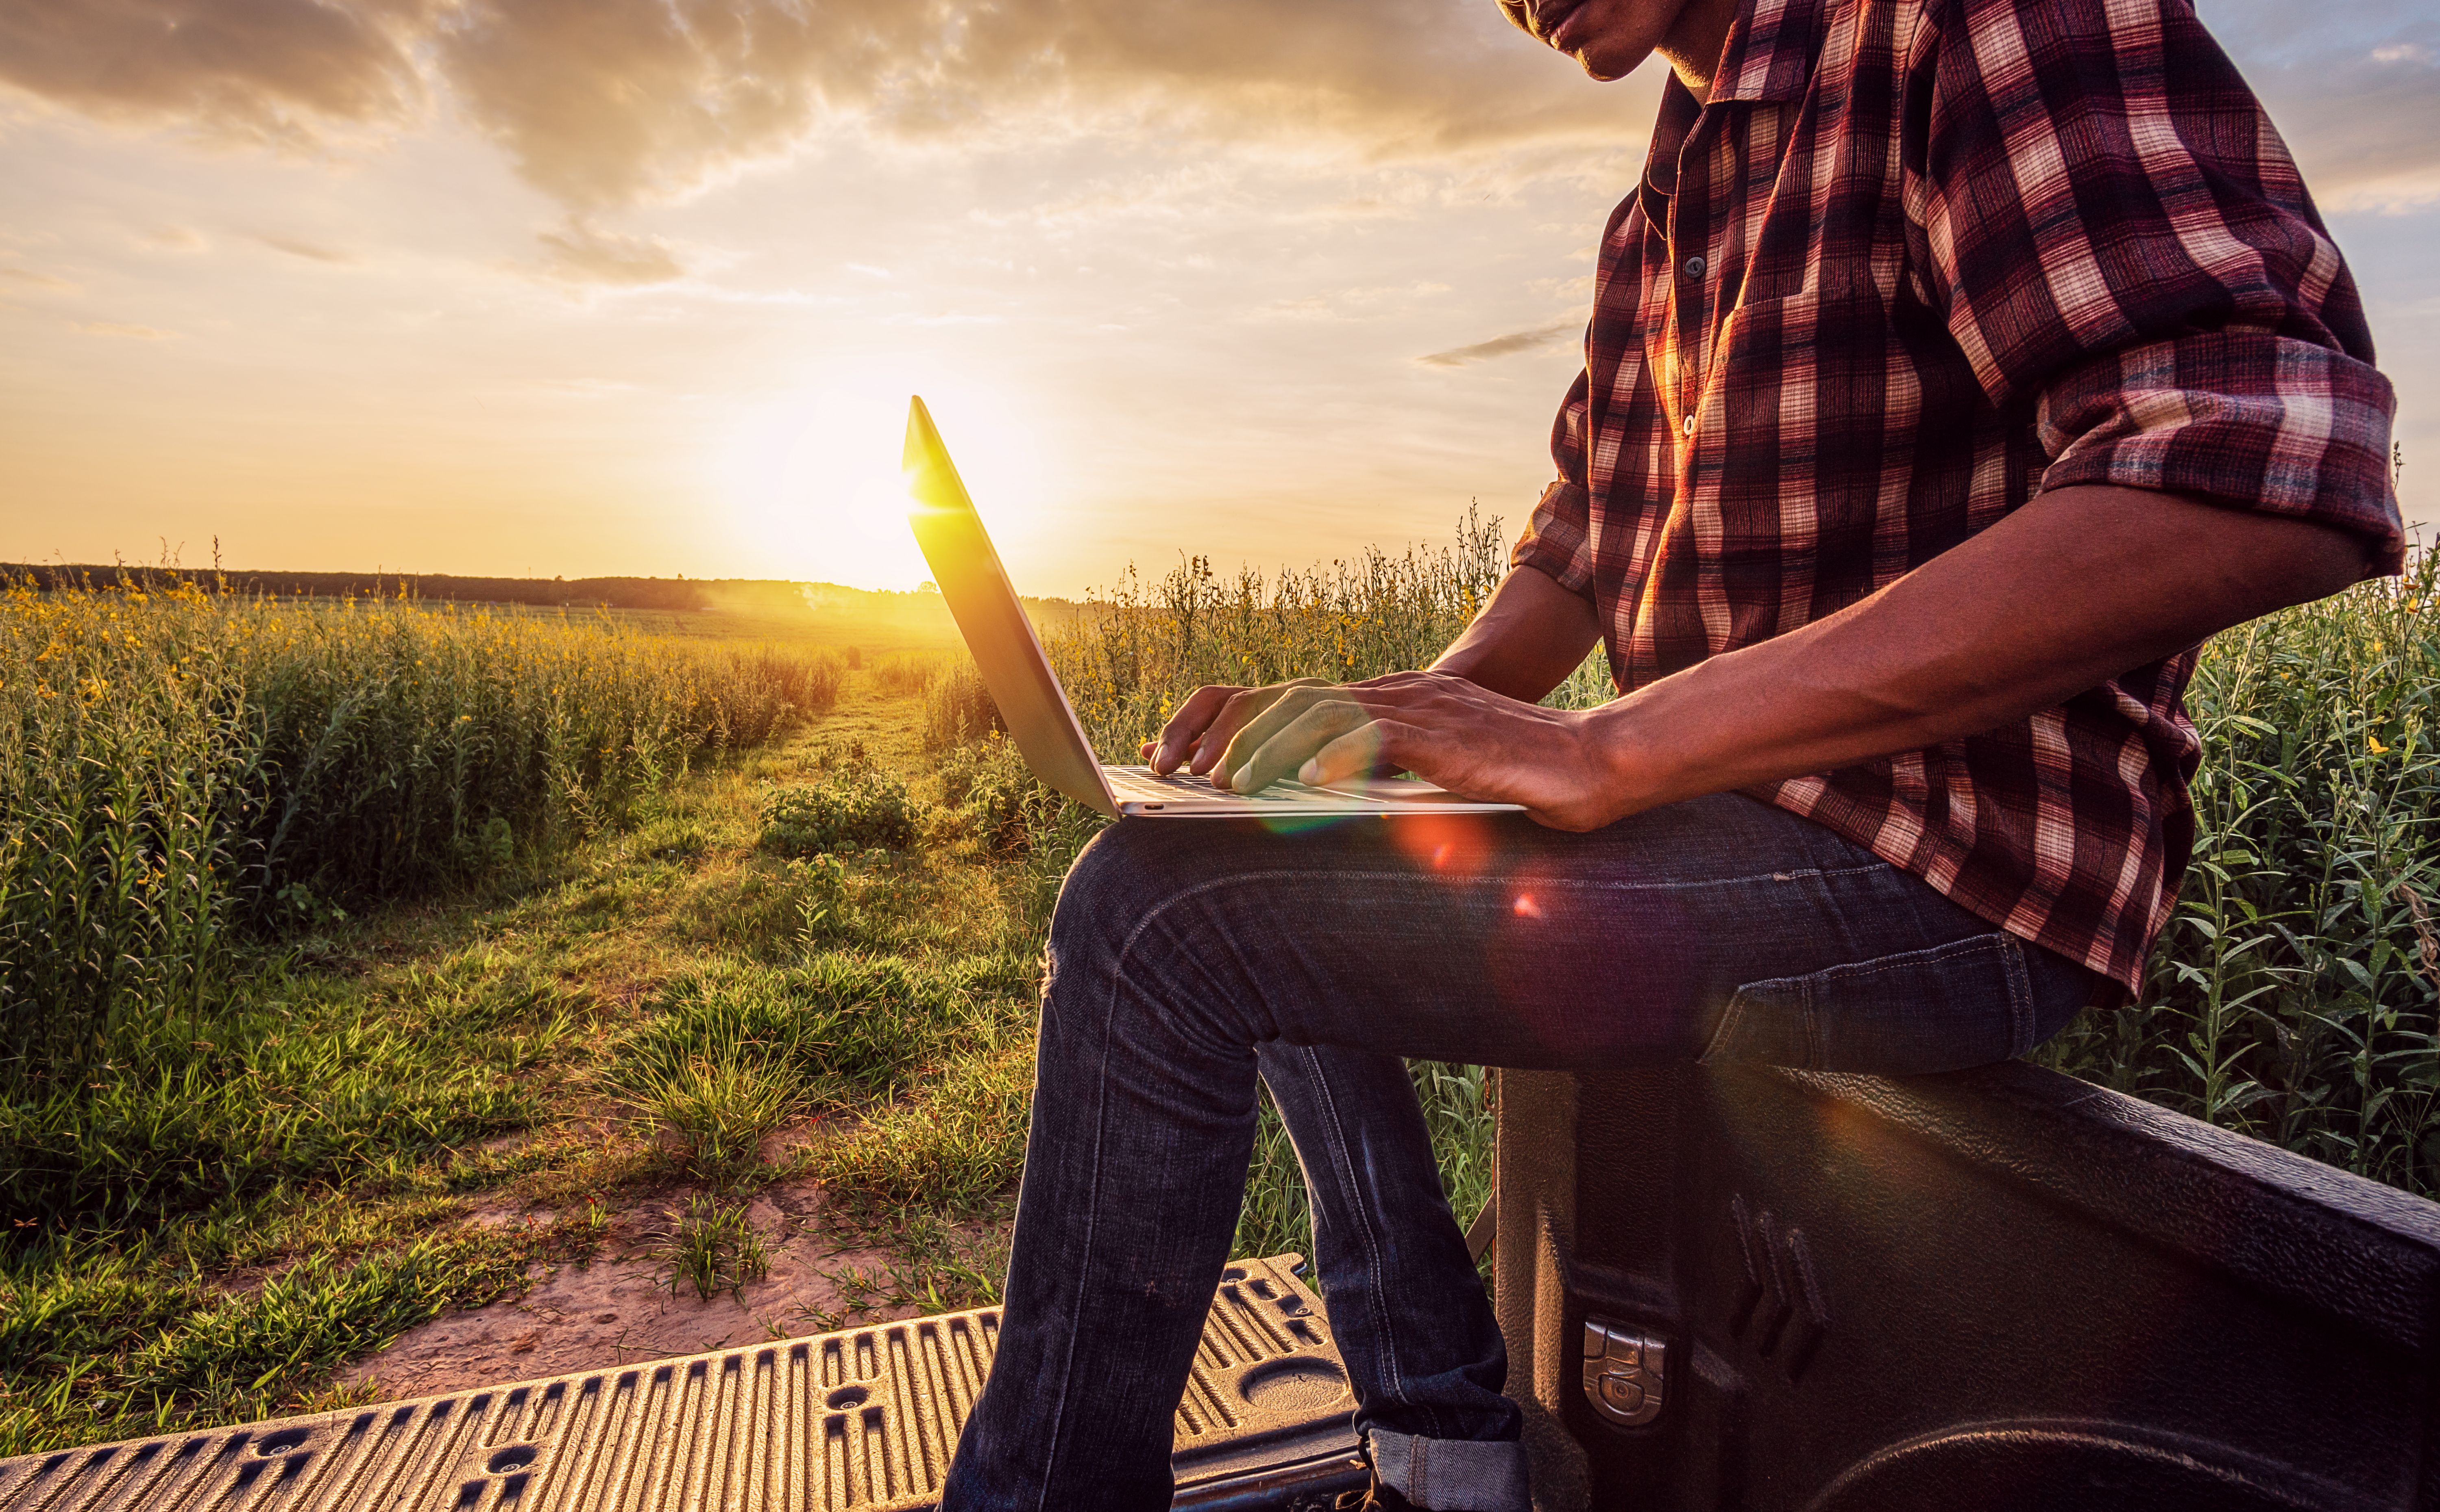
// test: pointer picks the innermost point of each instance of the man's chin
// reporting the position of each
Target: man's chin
(1609, 66)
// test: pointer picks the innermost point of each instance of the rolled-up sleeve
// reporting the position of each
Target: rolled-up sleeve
(2117, 234)
(1558, 539)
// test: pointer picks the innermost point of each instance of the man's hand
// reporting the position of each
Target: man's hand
(1443, 728)
(1469, 725)
(1524, 643)
(1200, 730)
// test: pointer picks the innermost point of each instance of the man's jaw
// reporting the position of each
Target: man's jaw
(1574, 28)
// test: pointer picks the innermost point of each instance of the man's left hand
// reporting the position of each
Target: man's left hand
(1443, 728)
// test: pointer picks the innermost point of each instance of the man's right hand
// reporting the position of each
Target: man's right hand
(1203, 724)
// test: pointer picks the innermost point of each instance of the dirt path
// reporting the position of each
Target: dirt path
(619, 1309)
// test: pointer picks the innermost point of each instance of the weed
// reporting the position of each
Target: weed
(304, 1077)
(711, 1246)
(956, 1143)
(1006, 805)
(825, 906)
(958, 708)
(907, 676)
(857, 810)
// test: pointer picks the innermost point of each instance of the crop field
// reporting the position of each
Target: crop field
(389, 990)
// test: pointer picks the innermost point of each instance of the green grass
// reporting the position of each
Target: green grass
(103, 1344)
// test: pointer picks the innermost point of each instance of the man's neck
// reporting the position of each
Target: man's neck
(1695, 43)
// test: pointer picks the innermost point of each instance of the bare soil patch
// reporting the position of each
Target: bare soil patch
(619, 1309)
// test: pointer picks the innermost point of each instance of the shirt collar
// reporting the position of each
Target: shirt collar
(1771, 50)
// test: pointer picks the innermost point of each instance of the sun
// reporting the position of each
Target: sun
(812, 489)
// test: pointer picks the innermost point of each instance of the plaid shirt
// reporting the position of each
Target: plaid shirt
(1917, 261)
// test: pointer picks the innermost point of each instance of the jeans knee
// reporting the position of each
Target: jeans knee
(1133, 917)
(1104, 894)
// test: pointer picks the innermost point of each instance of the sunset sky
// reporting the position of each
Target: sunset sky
(640, 286)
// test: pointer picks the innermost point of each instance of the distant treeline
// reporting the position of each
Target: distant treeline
(669, 596)
(668, 593)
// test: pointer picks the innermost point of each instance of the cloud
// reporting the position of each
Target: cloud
(609, 102)
(173, 238)
(38, 280)
(585, 254)
(2355, 98)
(1361, 303)
(311, 252)
(270, 70)
(106, 327)
(1508, 346)
(2368, 139)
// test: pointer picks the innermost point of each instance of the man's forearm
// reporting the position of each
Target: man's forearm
(1526, 640)
(2071, 590)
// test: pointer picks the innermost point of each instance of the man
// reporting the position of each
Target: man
(1956, 366)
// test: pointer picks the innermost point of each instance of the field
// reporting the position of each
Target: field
(391, 990)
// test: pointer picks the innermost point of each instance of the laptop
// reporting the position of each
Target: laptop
(967, 570)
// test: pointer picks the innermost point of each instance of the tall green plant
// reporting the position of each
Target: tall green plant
(2294, 990)
(178, 766)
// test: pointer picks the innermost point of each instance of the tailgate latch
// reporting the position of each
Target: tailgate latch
(1624, 1373)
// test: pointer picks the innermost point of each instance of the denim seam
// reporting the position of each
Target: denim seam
(1877, 965)
(1344, 1170)
(1727, 1032)
(2021, 998)
(1085, 1250)
(1809, 1020)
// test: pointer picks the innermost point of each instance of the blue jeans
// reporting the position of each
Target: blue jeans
(1189, 956)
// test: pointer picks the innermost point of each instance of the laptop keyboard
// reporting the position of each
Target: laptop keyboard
(1138, 784)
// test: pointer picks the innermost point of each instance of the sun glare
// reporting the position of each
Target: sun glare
(813, 487)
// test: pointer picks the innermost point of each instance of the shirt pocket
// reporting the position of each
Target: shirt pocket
(1965, 1004)
(1815, 409)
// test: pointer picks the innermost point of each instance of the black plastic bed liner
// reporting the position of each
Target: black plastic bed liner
(863, 1418)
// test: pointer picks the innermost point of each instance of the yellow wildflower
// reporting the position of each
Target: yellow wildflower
(2377, 749)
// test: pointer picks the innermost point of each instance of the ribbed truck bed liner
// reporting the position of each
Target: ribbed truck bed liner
(861, 1419)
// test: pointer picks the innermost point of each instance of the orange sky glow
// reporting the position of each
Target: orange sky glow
(592, 287)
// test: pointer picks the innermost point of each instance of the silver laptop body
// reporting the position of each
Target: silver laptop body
(967, 570)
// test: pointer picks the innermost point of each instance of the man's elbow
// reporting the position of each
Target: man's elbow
(2301, 561)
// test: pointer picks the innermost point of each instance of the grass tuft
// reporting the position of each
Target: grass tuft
(711, 1246)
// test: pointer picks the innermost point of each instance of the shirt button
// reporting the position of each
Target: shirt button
(1689, 425)
(1694, 267)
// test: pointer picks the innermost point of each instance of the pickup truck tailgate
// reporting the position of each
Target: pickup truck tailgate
(842, 1422)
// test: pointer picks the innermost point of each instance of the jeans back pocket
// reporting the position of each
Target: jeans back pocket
(1965, 1004)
